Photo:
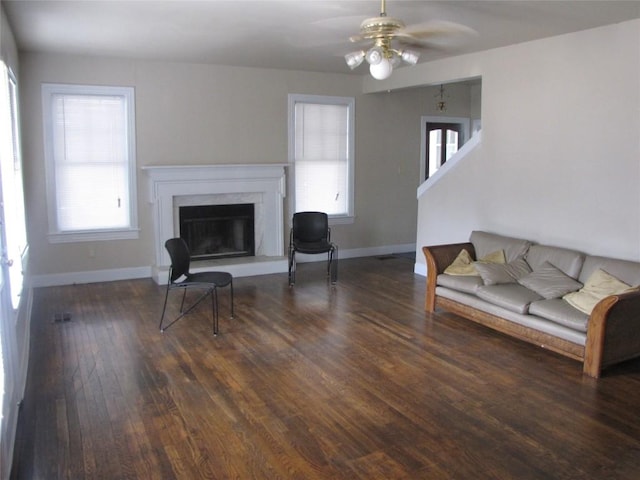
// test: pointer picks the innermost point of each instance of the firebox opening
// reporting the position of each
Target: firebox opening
(218, 231)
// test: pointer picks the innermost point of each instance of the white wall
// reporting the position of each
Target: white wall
(559, 161)
(200, 114)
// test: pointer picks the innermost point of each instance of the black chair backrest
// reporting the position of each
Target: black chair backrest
(180, 257)
(310, 226)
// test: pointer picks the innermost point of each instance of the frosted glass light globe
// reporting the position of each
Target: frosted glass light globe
(381, 70)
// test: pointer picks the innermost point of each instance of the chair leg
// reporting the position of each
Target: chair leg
(214, 307)
(333, 265)
(188, 310)
(164, 308)
(329, 258)
(292, 267)
(231, 287)
(184, 295)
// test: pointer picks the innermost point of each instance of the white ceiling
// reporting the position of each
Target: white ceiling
(310, 35)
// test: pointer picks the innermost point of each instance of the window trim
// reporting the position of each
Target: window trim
(125, 233)
(349, 102)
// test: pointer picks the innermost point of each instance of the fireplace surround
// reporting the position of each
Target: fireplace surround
(263, 185)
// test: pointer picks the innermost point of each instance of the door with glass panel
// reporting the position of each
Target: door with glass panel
(443, 140)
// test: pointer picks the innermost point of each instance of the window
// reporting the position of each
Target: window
(13, 241)
(321, 155)
(15, 238)
(90, 162)
(441, 138)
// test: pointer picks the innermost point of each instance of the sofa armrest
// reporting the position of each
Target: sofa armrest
(438, 258)
(613, 332)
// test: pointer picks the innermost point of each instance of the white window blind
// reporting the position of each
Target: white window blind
(91, 169)
(322, 155)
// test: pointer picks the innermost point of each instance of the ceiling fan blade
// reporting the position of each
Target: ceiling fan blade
(339, 24)
(434, 28)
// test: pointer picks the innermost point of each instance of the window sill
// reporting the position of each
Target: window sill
(94, 235)
(341, 220)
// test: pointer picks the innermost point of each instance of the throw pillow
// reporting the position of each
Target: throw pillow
(494, 257)
(464, 264)
(550, 282)
(493, 273)
(598, 286)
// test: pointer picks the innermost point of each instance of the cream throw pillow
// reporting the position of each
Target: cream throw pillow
(463, 263)
(598, 286)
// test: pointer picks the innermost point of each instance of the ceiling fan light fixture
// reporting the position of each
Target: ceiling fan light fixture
(410, 56)
(382, 69)
(374, 56)
(354, 59)
(385, 32)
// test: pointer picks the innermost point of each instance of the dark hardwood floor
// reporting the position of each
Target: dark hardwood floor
(314, 382)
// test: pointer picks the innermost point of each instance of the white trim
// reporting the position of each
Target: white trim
(360, 252)
(350, 102)
(451, 163)
(93, 276)
(94, 236)
(420, 269)
(462, 121)
(249, 268)
(55, 235)
(238, 267)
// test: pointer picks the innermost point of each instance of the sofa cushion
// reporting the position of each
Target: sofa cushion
(625, 270)
(568, 261)
(598, 286)
(558, 311)
(549, 281)
(493, 274)
(485, 243)
(462, 283)
(511, 296)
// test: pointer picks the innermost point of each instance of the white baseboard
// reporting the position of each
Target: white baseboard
(361, 252)
(238, 268)
(93, 276)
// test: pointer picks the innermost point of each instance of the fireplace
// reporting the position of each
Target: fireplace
(172, 187)
(218, 231)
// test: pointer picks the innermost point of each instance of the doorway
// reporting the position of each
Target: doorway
(442, 137)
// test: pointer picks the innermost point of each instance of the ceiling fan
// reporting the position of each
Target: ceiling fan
(383, 57)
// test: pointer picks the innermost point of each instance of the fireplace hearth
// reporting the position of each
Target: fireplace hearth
(218, 231)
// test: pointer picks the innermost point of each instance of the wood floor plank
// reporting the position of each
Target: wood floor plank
(354, 381)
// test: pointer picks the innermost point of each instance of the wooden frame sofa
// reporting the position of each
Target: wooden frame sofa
(608, 335)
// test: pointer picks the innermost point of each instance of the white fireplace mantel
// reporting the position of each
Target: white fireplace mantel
(260, 184)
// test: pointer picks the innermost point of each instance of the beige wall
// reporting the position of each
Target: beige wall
(559, 161)
(199, 114)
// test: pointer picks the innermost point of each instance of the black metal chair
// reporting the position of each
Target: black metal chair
(181, 278)
(310, 234)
